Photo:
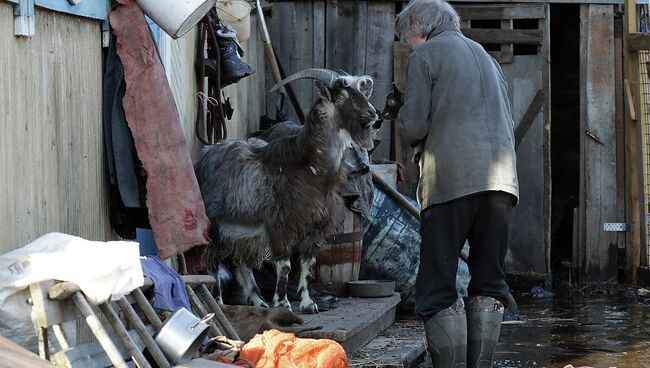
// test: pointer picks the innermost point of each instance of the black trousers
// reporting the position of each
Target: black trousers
(483, 220)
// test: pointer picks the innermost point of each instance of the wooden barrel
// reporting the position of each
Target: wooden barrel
(340, 259)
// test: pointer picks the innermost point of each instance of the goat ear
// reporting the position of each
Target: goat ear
(396, 89)
(323, 91)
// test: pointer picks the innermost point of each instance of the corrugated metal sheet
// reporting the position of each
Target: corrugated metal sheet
(52, 170)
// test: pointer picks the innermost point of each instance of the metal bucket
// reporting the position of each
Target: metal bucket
(181, 335)
(176, 17)
(236, 13)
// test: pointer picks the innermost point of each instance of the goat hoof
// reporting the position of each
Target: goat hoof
(260, 303)
(310, 308)
(283, 303)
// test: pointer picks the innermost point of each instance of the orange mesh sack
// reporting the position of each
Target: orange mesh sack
(279, 349)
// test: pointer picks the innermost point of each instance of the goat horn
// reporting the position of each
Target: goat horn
(324, 75)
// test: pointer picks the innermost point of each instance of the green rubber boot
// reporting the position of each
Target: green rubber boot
(484, 315)
(447, 337)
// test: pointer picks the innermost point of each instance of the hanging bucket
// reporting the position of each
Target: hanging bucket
(175, 17)
(236, 13)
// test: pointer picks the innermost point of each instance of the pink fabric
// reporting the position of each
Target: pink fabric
(176, 211)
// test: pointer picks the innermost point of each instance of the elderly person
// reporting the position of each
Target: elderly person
(456, 106)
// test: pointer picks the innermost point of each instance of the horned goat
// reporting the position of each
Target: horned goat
(267, 200)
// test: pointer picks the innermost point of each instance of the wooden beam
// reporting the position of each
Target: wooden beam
(638, 41)
(545, 50)
(529, 116)
(515, 36)
(500, 11)
(620, 126)
(634, 169)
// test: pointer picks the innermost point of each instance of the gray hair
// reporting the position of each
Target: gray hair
(420, 17)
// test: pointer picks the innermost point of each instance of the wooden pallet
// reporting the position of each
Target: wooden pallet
(506, 35)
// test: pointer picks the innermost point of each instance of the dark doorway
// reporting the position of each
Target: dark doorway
(565, 137)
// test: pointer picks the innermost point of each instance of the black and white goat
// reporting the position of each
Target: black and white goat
(267, 200)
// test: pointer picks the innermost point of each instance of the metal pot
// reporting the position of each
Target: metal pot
(181, 335)
(371, 288)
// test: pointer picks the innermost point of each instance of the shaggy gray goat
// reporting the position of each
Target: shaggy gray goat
(267, 200)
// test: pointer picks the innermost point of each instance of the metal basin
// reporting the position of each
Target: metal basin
(181, 335)
(371, 288)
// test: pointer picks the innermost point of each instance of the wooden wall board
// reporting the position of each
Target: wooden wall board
(598, 199)
(52, 164)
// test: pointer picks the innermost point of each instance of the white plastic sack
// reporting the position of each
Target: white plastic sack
(101, 269)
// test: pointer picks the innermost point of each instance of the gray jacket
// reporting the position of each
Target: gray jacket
(456, 102)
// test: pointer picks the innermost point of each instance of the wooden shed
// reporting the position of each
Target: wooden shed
(563, 61)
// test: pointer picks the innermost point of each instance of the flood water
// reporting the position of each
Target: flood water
(595, 331)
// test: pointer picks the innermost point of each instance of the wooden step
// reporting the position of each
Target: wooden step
(354, 323)
(401, 345)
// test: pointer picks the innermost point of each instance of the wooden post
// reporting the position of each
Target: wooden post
(634, 177)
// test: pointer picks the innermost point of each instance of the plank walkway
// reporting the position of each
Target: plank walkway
(355, 322)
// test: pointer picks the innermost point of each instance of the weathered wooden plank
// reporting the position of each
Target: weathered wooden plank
(355, 322)
(525, 76)
(502, 57)
(620, 125)
(545, 54)
(379, 62)
(597, 115)
(500, 11)
(303, 53)
(248, 96)
(638, 41)
(507, 49)
(51, 149)
(633, 160)
(182, 81)
(515, 36)
(529, 116)
(361, 28)
(340, 40)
